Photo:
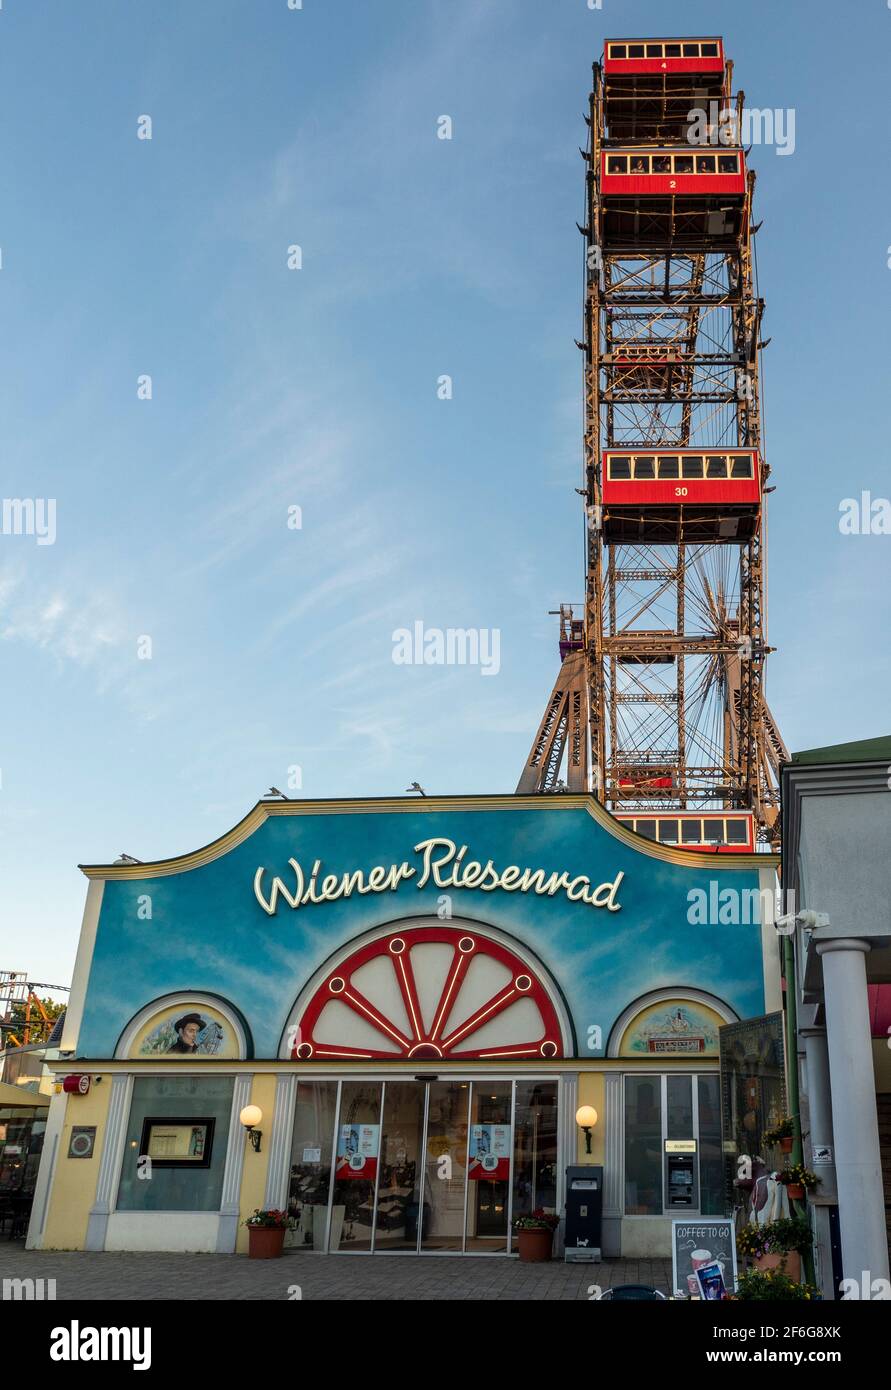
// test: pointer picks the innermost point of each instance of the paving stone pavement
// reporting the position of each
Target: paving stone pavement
(112, 1276)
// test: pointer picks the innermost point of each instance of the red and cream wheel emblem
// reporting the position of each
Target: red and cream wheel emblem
(429, 993)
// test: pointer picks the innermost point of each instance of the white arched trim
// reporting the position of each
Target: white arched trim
(183, 999)
(683, 993)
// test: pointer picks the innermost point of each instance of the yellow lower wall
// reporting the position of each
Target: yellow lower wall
(591, 1092)
(74, 1182)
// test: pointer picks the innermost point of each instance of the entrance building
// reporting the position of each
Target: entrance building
(383, 1017)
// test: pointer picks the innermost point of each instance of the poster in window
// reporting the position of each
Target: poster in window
(489, 1155)
(178, 1142)
(357, 1150)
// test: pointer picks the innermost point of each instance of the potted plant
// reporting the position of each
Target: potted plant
(776, 1245)
(266, 1233)
(535, 1234)
(797, 1180)
(772, 1285)
(782, 1134)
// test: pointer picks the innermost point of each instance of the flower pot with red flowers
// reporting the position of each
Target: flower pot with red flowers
(266, 1234)
(535, 1235)
(781, 1136)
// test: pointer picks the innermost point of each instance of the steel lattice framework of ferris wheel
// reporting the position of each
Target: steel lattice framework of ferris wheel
(660, 698)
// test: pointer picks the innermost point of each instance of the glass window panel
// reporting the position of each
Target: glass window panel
(399, 1181)
(635, 50)
(445, 1175)
(669, 468)
(708, 50)
(618, 50)
(716, 466)
(683, 164)
(691, 832)
(647, 828)
(536, 1160)
(654, 50)
(714, 832)
(355, 1165)
(661, 164)
(691, 467)
(672, 50)
(176, 1189)
(668, 832)
(728, 164)
(706, 164)
(617, 164)
(640, 164)
(737, 832)
(645, 467)
(310, 1171)
(741, 467)
(680, 1107)
(711, 1160)
(691, 50)
(620, 468)
(489, 1153)
(643, 1145)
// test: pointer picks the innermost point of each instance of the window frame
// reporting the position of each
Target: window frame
(662, 1076)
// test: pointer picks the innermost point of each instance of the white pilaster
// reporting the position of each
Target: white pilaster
(280, 1141)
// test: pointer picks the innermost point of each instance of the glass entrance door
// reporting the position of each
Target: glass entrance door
(421, 1166)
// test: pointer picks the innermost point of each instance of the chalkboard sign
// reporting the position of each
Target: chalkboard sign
(697, 1243)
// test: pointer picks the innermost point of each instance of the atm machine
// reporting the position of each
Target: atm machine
(681, 1192)
(584, 1211)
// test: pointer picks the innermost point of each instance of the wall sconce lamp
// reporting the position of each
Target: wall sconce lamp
(250, 1117)
(586, 1119)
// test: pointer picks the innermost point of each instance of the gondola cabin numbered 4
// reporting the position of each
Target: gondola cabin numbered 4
(640, 56)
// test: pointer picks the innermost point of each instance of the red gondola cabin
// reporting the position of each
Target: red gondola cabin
(632, 56)
(661, 496)
(727, 832)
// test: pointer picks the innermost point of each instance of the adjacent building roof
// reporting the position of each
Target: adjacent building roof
(867, 750)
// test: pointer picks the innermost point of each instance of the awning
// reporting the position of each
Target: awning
(18, 1095)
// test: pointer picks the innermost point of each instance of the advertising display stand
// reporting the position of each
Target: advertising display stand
(584, 1210)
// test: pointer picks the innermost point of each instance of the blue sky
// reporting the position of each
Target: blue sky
(274, 388)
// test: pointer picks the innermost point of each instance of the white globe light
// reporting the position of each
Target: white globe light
(251, 1116)
(586, 1117)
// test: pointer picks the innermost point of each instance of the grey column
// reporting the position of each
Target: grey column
(110, 1163)
(861, 1203)
(280, 1141)
(613, 1166)
(819, 1098)
(227, 1234)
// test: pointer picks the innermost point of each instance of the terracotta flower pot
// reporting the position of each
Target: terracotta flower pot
(265, 1242)
(535, 1245)
(786, 1144)
(789, 1263)
(795, 1191)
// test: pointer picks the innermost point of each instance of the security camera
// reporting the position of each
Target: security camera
(810, 920)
